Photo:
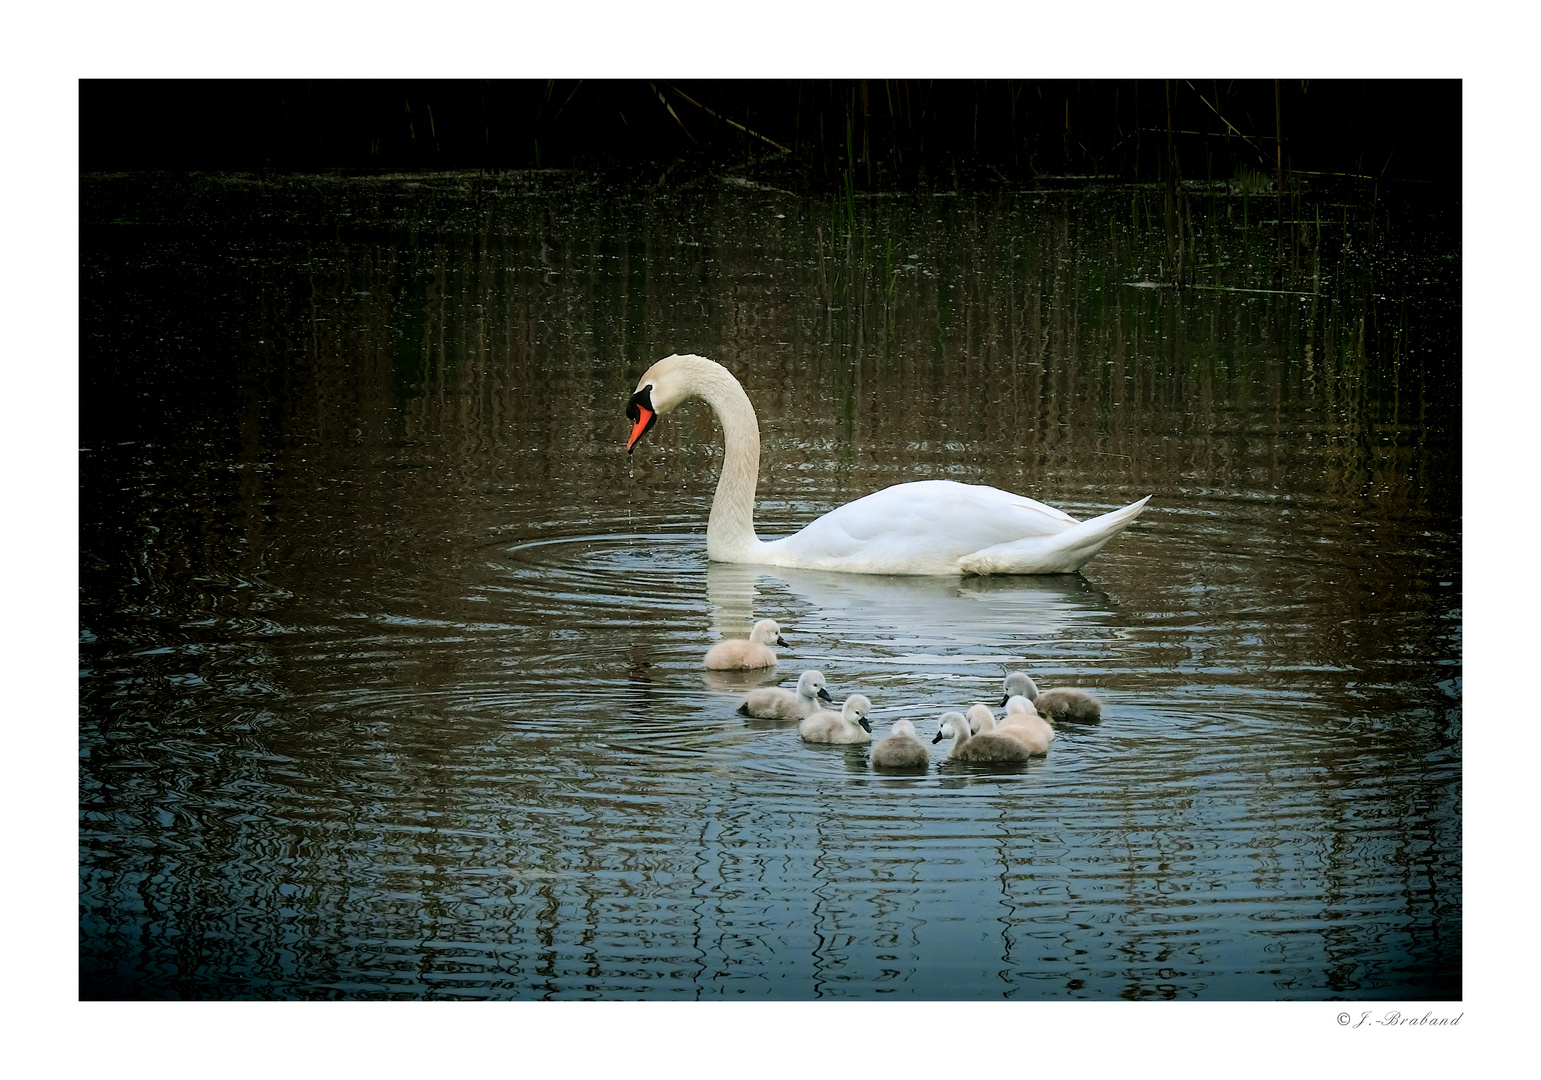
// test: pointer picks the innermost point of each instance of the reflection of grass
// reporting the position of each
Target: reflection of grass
(890, 271)
(1058, 279)
(1252, 181)
(850, 177)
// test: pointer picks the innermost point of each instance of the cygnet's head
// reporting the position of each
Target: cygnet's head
(766, 632)
(902, 727)
(952, 724)
(1016, 703)
(980, 718)
(1020, 683)
(856, 709)
(811, 684)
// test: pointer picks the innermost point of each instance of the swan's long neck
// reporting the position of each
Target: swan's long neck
(730, 528)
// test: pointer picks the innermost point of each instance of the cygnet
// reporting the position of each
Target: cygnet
(901, 750)
(981, 720)
(1022, 723)
(986, 746)
(737, 654)
(849, 725)
(777, 703)
(1020, 684)
(1065, 703)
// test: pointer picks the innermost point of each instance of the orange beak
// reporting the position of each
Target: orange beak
(644, 421)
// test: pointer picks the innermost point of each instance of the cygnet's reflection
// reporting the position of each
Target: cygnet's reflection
(744, 681)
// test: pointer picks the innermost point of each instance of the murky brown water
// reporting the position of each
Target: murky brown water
(390, 662)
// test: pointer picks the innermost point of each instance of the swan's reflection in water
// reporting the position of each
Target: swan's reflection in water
(914, 633)
(973, 613)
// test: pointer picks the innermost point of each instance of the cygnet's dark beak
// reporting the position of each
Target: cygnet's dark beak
(823, 693)
(938, 737)
(781, 641)
(865, 725)
(1005, 699)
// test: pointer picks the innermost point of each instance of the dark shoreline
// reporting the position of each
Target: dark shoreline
(852, 135)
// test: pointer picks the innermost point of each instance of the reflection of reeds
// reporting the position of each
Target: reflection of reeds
(1278, 121)
(1025, 328)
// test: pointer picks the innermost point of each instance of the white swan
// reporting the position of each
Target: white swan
(1024, 724)
(1065, 703)
(986, 746)
(901, 750)
(776, 703)
(737, 654)
(925, 527)
(849, 725)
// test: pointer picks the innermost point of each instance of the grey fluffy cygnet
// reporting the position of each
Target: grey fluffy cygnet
(901, 749)
(986, 746)
(849, 725)
(736, 654)
(776, 703)
(1024, 724)
(1064, 703)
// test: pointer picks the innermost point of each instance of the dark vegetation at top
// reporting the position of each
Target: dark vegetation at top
(852, 135)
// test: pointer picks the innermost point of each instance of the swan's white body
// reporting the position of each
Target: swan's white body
(849, 725)
(735, 654)
(925, 527)
(901, 750)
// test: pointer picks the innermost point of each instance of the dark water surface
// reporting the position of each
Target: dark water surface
(390, 655)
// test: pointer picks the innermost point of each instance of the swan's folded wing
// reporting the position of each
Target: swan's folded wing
(1064, 553)
(923, 527)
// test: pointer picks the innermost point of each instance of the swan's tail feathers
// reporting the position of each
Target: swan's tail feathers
(1063, 553)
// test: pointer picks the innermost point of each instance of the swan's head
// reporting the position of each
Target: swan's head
(811, 684)
(1016, 703)
(766, 632)
(662, 387)
(902, 727)
(856, 709)
(642, 413)
(953, 724)
(1020, 683)
(980, 718)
